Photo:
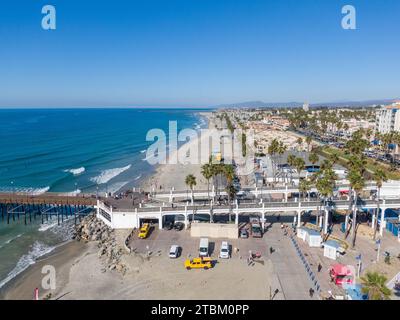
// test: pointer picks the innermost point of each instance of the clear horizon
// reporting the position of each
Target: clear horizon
(197, 54)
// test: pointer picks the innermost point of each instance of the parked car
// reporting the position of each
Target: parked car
(224, 251)
(178, 226)
(168, 225)
(174, 252)
(243, 233)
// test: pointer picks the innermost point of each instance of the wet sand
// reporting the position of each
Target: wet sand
(62, 258)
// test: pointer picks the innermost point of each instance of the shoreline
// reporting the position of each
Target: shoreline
(165, 175)
(61, 258)
(67, 254)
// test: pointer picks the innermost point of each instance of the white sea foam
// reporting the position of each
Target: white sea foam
(138, 177)
(30, 191)
(143, 151)
(52, 224)
(73, 193)
(76, 171)
(38, 250)
(47, 225)
(108, 174)
(10, 240)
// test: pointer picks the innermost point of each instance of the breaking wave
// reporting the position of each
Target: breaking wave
(109, 174)
(76, 171)
(37, 250)
(10, 240)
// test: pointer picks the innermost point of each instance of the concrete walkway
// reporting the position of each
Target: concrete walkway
(290, 272)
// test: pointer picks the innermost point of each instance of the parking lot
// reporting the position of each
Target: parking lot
(231, 278)
(161, 241)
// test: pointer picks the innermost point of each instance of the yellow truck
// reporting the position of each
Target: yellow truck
(144, 231)
(198, 263)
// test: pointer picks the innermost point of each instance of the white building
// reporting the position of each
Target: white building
(306, 107)
(388, 118)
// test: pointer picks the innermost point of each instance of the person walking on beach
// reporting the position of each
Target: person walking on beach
(311, 291)
(319, 267)
(271, 250)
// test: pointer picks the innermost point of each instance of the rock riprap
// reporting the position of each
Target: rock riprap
(93, 229)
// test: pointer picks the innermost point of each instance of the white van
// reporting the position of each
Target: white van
(203, 248)
(224, 251)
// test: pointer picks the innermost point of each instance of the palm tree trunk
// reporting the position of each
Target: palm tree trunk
(346, 224)
(230, 207)
(376, 214)
(354, 222)
(208, 189)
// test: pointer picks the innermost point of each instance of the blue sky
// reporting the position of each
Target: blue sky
(196, 52)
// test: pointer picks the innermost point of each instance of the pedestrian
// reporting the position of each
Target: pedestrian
(319, 267)
(271, 250)
(311, 292)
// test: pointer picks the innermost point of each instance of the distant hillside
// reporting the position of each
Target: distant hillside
(261, 104)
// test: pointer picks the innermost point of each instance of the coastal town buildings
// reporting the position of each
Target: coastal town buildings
(388, 118)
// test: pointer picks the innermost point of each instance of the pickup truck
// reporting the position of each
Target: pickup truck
(198, 263)
(256, 231)
(144, 231)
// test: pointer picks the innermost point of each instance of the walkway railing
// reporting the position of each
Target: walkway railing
(306, 265)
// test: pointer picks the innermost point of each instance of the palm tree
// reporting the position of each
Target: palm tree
(374, 284)
(357, 183)
(299, 164)
(304, 187)
(325, 184)
(334, 158)
(357, 162)
(229, 173)
(272, 151)
(379, 177)
(215, 170)
(313, 158)
(206, 171)
(308, 141)
(191, 182)
(299, 142)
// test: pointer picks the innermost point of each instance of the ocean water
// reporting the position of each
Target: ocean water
(72, 151)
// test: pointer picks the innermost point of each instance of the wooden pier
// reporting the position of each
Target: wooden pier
(14, 207)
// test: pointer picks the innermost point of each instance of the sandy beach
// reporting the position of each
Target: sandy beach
(81, 274)
(62, 258)
(169, 176)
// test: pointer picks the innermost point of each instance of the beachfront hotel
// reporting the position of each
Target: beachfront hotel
(388, 118)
